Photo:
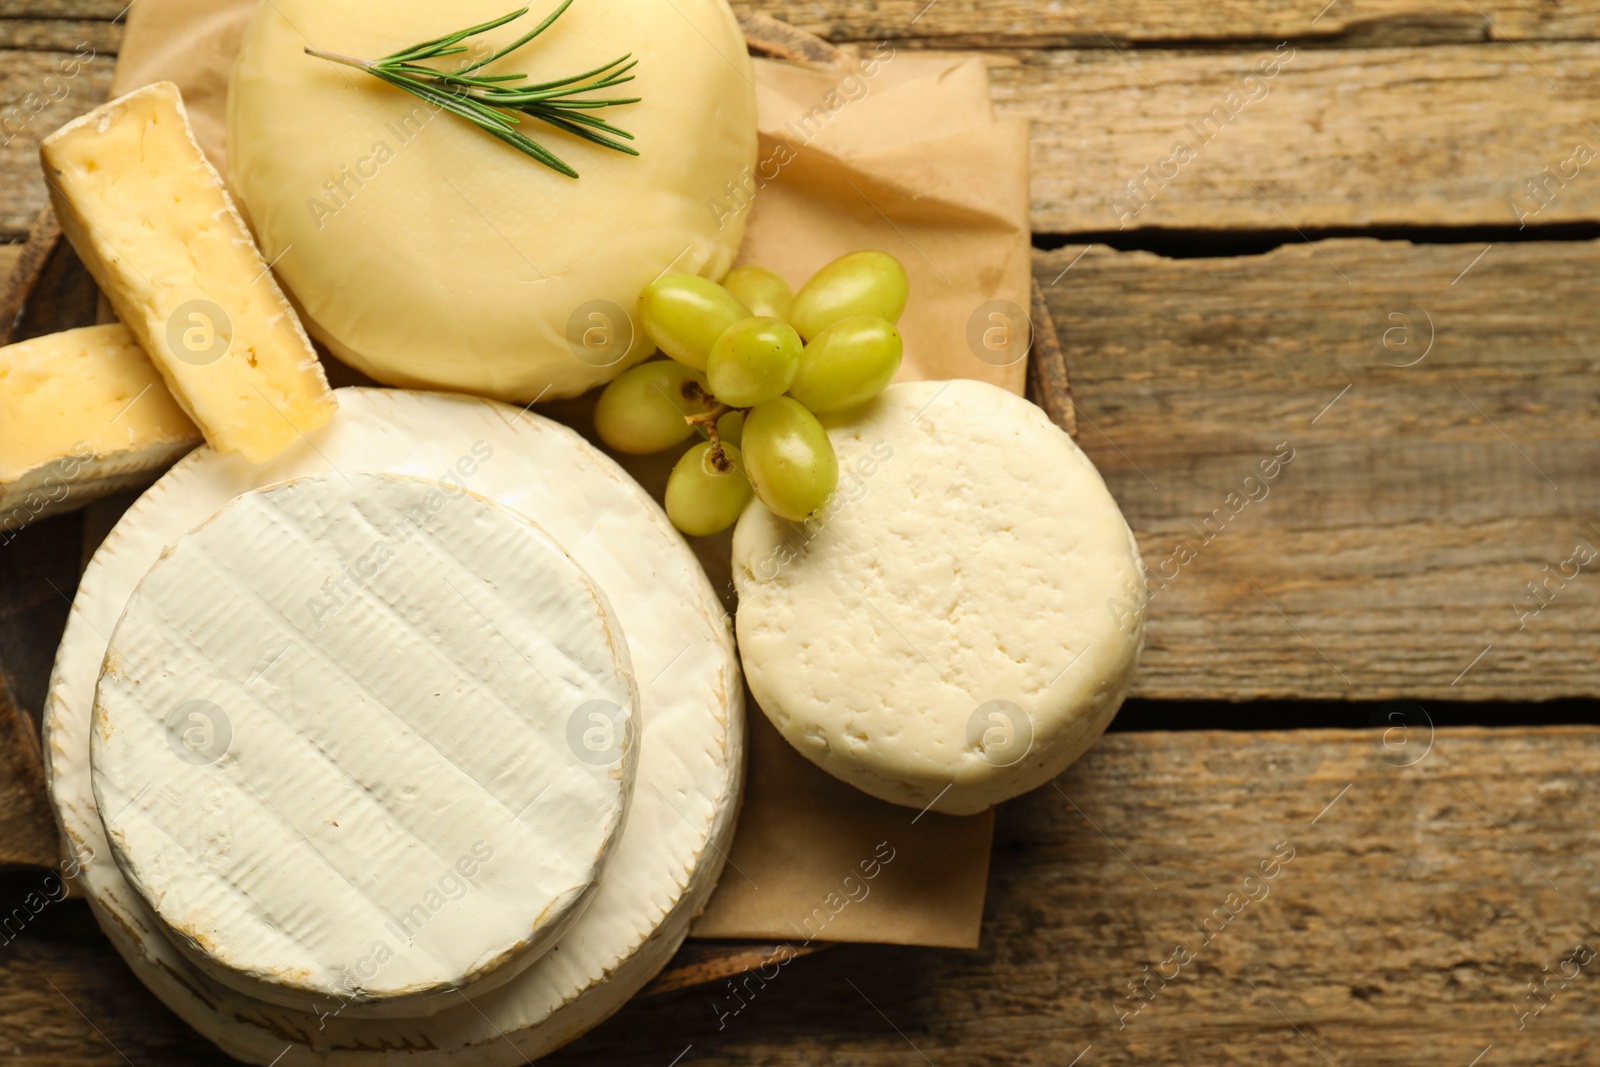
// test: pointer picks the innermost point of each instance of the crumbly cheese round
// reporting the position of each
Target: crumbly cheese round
(965, 617)
(690, 769)
(429, 254)
(392, 726)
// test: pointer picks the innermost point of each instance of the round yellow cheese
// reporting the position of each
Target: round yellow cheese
(427, 253)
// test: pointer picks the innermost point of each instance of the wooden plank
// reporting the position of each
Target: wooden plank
(39, 92)
(81, 35)
(27, 829)
(24, 268)
(39, 566)
(1444, 136)
(1335, 139)
(1404, 930)
(62, 295)
(1103, 23)
(99, 10)
(1048, 385)
(1397, 545)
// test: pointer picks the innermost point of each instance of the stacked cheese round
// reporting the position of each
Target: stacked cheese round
(427, 253)
(364, 697)
(964, 618)
(132, 622)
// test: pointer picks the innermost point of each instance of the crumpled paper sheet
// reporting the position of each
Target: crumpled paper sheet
(894, 150)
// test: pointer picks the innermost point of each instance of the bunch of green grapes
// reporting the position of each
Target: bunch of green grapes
(751, 366)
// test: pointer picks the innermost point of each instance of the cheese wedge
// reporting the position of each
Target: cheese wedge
(150, 219)
(392, 726)
(963, 619)
(679, 824)
(82, 414)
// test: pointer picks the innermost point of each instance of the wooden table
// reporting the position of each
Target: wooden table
(1375, 253)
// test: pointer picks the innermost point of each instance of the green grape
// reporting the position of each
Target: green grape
(685, 314)
(707, 490)
(789, 459)
(753, 361)
(643, 409)
(847, 364)
(730, 427)
(862, 283)
(760, 290)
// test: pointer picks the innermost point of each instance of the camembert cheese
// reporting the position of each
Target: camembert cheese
(82, 414)
(150, 219)
(691, 757)
(364, 742)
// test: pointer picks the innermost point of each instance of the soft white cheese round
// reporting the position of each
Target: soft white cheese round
(965, 617)
(691, 759)
(364, 739)
(427, 253)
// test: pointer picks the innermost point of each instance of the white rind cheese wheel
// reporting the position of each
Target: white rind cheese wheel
(428, 254)
(338, 744)
(690, 770)
(965, 617)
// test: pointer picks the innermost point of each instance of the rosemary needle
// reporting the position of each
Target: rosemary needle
(495, 102)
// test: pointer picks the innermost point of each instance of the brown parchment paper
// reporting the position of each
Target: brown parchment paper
(894, 151)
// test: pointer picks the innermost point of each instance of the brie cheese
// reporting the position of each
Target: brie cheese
(962, 620)
(428, 254)
(82, 414)
(691, 744)
(364, 741)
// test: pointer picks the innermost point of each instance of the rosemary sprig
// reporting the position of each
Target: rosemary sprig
(495, 102)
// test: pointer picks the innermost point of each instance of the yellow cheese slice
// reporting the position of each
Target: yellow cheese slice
(152, 222)
(82, 414)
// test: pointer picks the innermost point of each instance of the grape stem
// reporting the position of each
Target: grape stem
(706, 421)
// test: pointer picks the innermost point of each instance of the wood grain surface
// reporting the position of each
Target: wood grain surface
(38, 574)
(1451, 135)
(1446, 136)
(1432, 879)
(1421, 545)
(37, 96)
(1118, 23)
(27, 830)
(1085, 23)
(1440, 405)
